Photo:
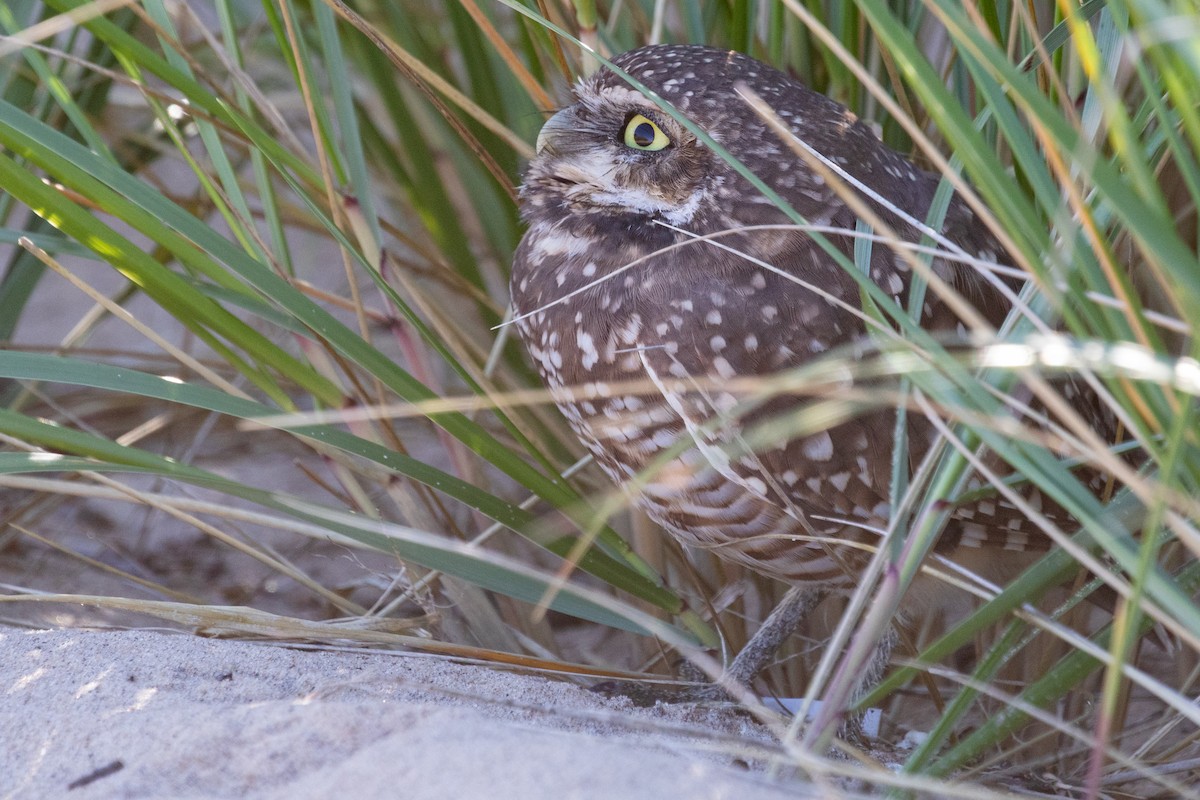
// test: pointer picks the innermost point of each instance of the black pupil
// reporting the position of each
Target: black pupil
(643, 135)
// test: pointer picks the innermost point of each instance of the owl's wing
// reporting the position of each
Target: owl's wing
(840, 473)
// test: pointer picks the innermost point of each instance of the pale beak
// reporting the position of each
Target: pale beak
(552, 131)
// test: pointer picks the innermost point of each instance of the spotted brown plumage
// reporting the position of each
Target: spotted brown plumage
(609, 287)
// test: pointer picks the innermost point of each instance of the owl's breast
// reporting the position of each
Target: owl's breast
(633, 341)
(648, 363)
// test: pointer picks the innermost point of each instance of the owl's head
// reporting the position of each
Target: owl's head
(615, 152)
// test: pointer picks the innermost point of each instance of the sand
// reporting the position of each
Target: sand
(148, 714)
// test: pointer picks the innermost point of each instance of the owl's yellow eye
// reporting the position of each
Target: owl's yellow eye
(642, 134)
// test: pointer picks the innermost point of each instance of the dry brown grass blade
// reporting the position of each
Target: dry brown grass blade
(539, 96)
(51, 27)
(102, 567)
(117, 311)
(242, 621)
(430, 83)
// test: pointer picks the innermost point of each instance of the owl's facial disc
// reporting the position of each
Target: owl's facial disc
(618, 152)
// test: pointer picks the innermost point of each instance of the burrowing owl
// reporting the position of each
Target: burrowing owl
(611, 286)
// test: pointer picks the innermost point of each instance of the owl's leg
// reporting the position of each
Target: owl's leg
(853, 726)
(776, 628)
(762, 647)
(857, 726)
(879, 661)
(757, 653)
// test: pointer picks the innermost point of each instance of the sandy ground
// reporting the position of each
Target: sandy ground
(147, 714)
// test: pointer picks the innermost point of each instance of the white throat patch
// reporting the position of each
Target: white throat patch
(646, 203)
(593, 175)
